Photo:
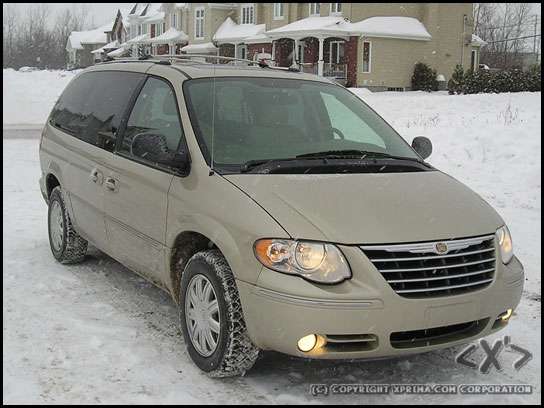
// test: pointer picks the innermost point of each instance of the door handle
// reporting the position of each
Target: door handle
(96, 176)
(111, 184)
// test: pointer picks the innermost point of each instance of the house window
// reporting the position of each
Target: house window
(367, 56)
(315, 9)
(336, 8)
(474, 60)
(159, 29)
(199, 22)
(174, 20)
(248, 14)
(278, 11)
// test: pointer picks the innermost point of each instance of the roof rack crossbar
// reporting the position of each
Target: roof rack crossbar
(198, 59)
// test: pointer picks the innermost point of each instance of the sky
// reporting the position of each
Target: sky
(99, 13)
(103, 13)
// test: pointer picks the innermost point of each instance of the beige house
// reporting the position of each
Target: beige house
(374, 45)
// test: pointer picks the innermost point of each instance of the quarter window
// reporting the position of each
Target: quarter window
(199, 23)
(248, 14)
(92, 106)
(153, 125)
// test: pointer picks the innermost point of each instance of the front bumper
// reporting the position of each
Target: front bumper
(281, 309)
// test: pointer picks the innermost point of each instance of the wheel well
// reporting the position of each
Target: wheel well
(51, 182)
(185, 246)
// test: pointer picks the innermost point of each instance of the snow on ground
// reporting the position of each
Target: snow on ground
(97, 333)
(29, 96)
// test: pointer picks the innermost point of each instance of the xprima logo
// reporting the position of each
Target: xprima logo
(492, 355)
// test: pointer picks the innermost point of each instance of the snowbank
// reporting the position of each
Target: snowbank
(28, 97)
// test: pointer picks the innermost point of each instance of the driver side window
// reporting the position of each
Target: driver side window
(153, 125)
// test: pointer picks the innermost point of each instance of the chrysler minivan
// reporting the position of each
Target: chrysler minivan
(277, 208)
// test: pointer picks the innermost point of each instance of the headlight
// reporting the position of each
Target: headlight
(314, 261)
(505, 244)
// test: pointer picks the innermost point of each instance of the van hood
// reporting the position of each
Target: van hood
(371, 208)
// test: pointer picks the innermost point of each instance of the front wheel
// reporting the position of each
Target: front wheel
(211, 317)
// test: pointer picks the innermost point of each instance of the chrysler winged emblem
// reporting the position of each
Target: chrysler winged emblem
(441, 247)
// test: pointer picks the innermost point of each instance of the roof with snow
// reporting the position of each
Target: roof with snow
(155, 17)
(138, 39)
(204, 48)
(109, 46)
(230, 32)
(257, 39)
(77, 39)
(123, 48)
(407, 28)
(477, 41)
(169, 36)
(312, 26)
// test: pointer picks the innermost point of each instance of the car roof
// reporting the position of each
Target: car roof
(192, 69)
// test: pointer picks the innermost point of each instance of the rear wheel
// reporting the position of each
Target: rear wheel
(66, 244)
(211, 317)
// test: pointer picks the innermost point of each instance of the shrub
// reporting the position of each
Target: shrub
(456, 81)
(485, 81)
(424, 78)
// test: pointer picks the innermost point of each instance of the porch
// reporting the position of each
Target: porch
(330, 57)
(322, 46)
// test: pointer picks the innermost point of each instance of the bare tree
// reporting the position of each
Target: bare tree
(10, 18)
(67, 21)
(504, 27)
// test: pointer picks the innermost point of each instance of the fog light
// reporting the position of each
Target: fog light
(307, 343)
(506, 315)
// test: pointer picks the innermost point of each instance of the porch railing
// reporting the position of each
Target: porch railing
(309, 68)
(330, 70)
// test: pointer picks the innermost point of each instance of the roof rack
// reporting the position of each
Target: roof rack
(195, 58)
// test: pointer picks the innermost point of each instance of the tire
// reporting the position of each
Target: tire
(234, 353)
(67, 245)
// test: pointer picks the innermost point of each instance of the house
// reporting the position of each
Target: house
(116, 36)
(374, 45)
(80, 45)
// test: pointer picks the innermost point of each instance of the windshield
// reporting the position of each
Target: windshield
(269, 119)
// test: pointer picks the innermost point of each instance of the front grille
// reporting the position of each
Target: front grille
(436, 335)
(419, 271)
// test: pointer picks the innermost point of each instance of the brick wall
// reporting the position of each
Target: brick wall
(350, 55)
(253, 49)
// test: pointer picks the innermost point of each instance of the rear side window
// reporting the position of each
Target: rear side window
(92, 106)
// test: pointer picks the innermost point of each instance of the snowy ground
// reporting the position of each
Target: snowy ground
(96, 333)
(29, 96)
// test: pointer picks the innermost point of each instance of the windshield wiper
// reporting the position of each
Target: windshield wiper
(355, 154)
(251, 164)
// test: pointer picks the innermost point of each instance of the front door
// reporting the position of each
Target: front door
(136, 198)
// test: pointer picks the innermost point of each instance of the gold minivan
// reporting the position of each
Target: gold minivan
(277, 208)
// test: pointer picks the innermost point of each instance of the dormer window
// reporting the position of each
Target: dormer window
(248, 14)
(336, 8)
(278, 11)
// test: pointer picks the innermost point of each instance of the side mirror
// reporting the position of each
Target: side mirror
(153, 147)
(423, 146)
